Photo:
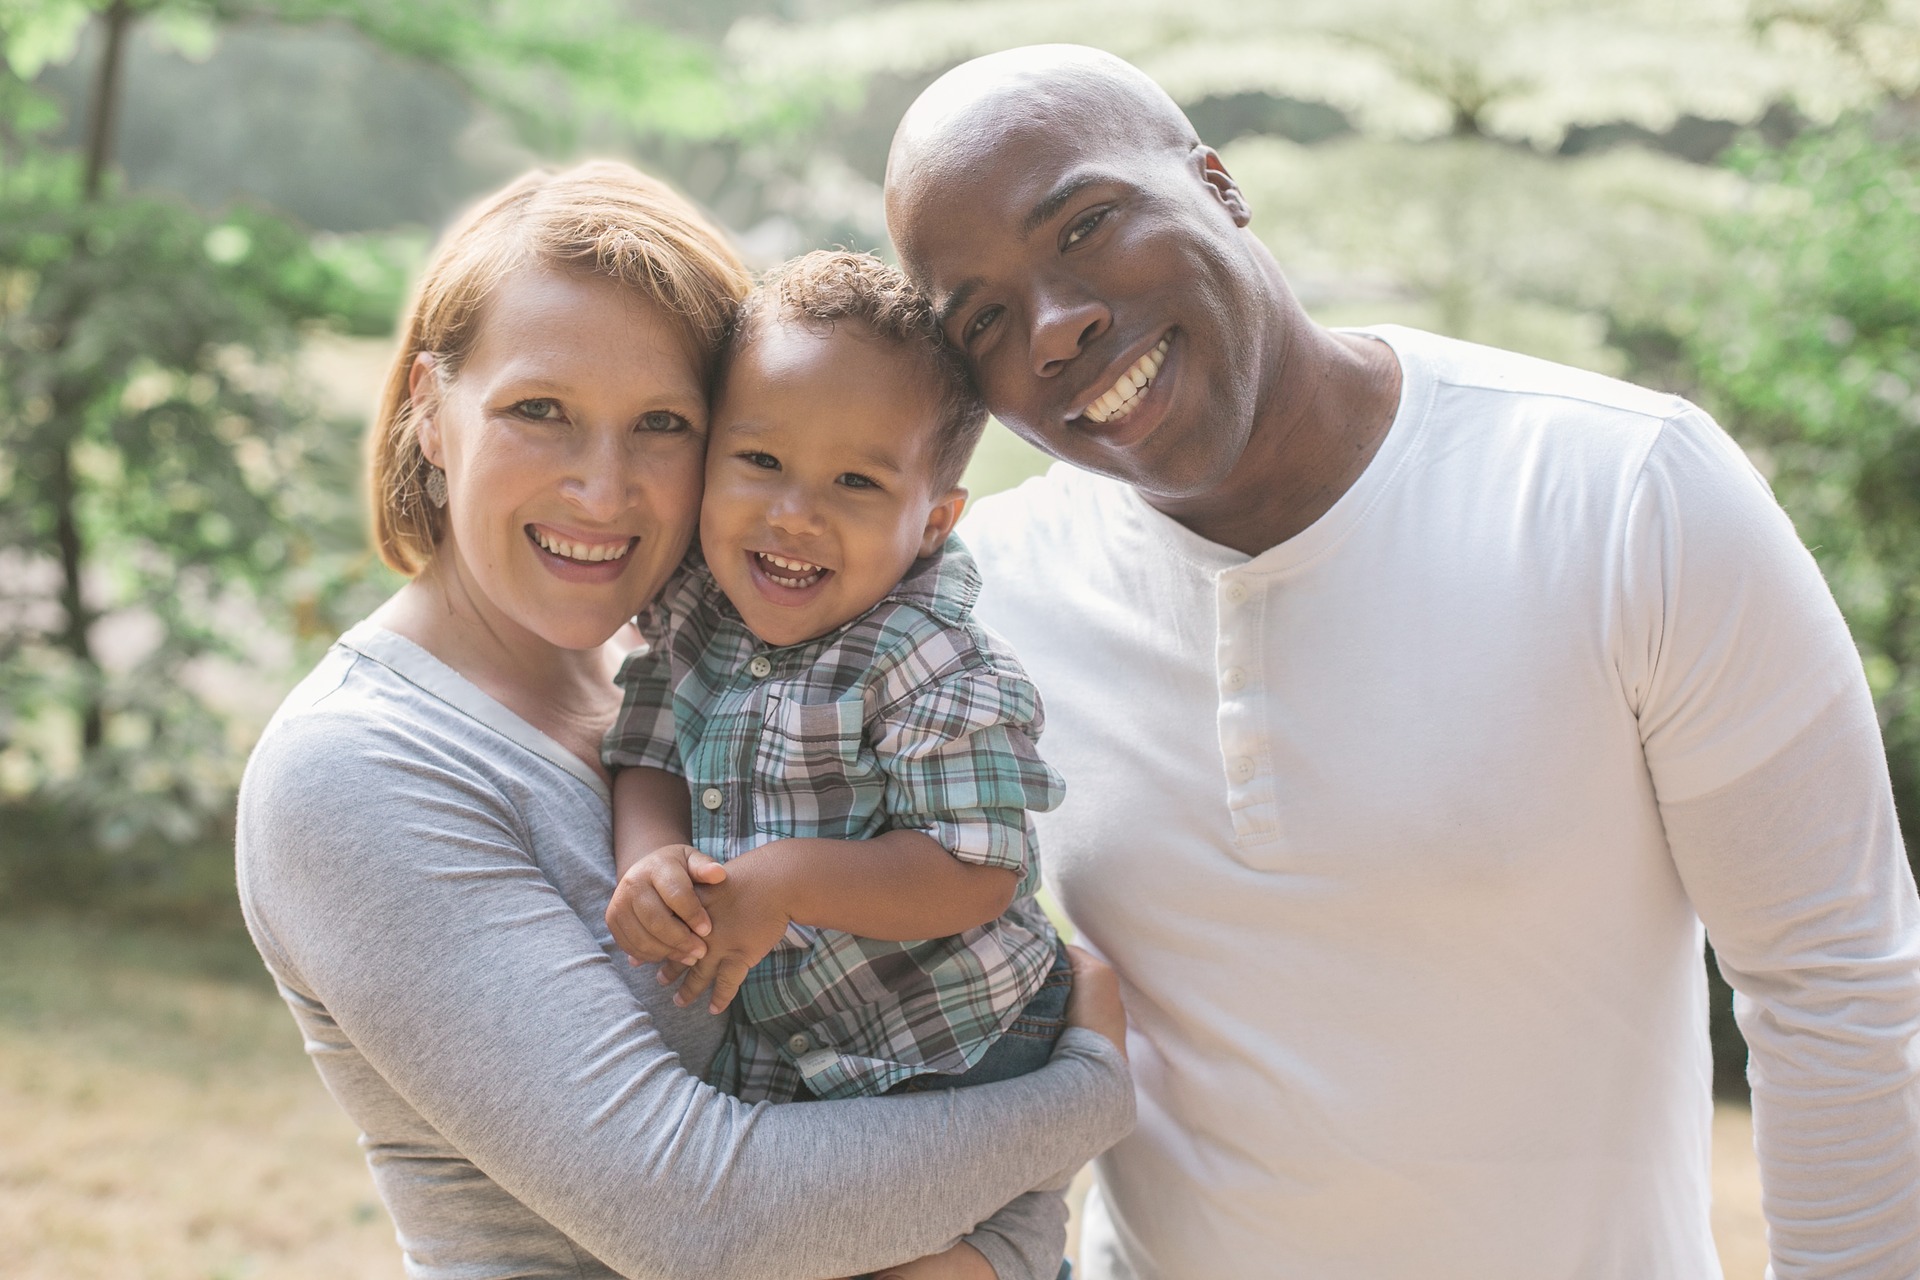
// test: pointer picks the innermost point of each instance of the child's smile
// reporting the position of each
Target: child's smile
(819, 477)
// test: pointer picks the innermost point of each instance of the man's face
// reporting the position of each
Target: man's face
(1103, 293)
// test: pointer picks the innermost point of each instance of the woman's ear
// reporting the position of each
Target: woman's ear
(423, 392)
(940, 521)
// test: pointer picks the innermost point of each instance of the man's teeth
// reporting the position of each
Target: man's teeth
(1122, 396)
(589, 553)
(789, 573)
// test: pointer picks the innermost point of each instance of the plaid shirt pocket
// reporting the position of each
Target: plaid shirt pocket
(812, 774)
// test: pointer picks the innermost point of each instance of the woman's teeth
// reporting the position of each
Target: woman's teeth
(1121, 398)
(789, 573)
(585, 552)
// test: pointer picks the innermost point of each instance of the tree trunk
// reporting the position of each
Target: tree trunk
(70, 403)
(105, 102)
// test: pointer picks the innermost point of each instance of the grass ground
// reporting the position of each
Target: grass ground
(161, 1122)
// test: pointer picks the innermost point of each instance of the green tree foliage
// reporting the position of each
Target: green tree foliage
(1808, 349)
(176, 518)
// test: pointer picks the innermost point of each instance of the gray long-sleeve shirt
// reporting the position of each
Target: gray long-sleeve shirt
(425, 875)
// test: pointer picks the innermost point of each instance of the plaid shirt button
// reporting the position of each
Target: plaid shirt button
(711, 798)
(760, 668)
(797, 1043)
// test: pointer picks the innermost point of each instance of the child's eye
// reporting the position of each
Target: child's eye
(543, 409)
(765, 461)
(1083, 228)
(665, 421)
(854, 480)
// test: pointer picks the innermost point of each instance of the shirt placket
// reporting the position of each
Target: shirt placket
(1239, 679)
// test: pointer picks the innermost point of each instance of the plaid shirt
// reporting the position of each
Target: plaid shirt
(909, 716)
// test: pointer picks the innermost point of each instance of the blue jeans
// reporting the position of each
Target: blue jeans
(1023, 1047)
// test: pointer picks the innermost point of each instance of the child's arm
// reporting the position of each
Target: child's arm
(897, 887)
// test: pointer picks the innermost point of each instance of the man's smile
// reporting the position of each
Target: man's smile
(1130, 388)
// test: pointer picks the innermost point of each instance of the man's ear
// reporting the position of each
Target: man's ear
(423, 391)
(1213, 172)
(940, 520)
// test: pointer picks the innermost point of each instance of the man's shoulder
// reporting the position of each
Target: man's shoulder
(1467, 371)
(1061, 507)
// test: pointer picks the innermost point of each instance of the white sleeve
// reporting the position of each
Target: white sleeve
(1764, 751)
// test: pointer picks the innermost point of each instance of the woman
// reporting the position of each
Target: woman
(423, 839)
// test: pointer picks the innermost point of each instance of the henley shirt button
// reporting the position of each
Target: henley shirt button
(1233, 679)
(1236, 593)
(1241, 770)
(760, 668)
(798, 1044)
(711, 798)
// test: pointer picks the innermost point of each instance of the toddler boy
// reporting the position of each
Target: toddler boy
(859, 752)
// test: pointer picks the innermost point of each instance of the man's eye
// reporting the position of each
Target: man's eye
(854, 480)
(664, 421)
(1084, 228)
(539, 410)
(981, 322)
(765, 461)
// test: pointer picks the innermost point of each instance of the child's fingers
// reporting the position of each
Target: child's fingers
(670, 972)
(673, 883)
(705, 869)
(699, 979)
(726, 984)
(653, 917)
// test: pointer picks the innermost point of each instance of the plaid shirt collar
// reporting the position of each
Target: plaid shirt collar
(946, 584)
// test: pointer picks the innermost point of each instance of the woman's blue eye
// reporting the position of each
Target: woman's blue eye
(664, 420)
(1084, 228)
(539, 410)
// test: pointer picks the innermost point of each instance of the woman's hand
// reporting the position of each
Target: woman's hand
(962, 1262)
(1095, 1000)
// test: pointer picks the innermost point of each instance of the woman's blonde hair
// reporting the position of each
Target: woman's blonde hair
(601, 219)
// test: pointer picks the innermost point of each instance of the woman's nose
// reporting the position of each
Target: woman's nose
(599, 480)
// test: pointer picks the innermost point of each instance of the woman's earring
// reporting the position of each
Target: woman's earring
(436, 486)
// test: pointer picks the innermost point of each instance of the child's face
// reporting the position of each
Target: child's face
(819, 478)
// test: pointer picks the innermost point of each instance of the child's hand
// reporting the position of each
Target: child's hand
(749, 914)
(656, 914)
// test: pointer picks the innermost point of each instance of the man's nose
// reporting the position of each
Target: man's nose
(1065, 320)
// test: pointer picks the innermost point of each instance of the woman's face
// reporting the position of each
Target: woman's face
(573, 439)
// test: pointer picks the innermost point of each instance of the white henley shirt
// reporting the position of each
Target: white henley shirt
(1400, 834)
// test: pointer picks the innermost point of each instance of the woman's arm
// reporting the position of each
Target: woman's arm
(397, 887)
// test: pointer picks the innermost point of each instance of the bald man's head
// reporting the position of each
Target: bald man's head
(1091, 258)
(1098, 98)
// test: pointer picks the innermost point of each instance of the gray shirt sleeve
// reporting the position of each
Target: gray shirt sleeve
(390, 887)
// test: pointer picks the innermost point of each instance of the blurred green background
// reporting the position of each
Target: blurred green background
(210, 210)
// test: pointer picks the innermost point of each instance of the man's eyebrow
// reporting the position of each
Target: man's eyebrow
(1056, 199)
(957, 299)
(1049, 205)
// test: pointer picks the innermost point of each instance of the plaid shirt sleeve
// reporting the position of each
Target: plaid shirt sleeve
(644, 732)
(961, 765)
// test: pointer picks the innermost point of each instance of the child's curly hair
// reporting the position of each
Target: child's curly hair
(827, 286)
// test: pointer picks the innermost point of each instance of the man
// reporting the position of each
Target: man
(1417, 702)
